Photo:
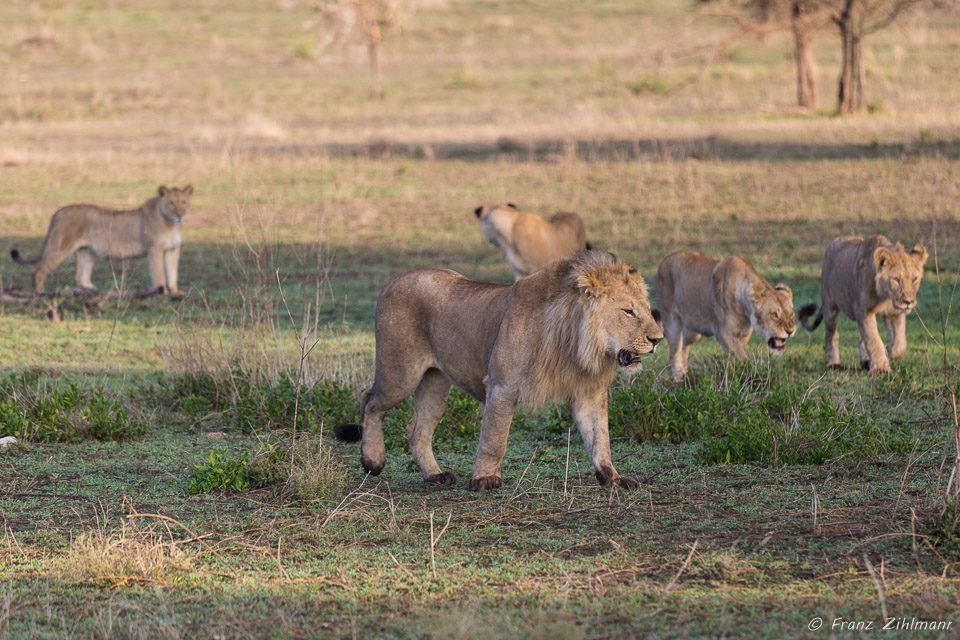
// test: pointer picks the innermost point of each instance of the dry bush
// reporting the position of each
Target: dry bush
(134, 555)
(307, 471)
(257, 344)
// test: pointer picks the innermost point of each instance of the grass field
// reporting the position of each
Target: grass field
(772, 491)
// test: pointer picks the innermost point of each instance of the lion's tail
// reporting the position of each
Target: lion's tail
(351, 432)
(16, 258)
(348, 432)
(804, 314)
(589, 246)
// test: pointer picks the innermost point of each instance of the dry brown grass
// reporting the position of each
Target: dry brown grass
(133, 555)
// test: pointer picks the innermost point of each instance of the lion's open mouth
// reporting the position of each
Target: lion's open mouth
(625, 358)
(777, 344)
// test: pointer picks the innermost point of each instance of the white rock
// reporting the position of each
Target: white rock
(7, 441)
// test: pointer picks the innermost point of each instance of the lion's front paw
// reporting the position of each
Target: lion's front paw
(486, 482)
(835, 366)
(442, 479)
(880, 369)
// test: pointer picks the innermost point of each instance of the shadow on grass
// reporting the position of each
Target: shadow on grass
(611, 150)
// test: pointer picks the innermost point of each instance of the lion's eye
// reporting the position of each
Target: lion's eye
(630, 313)
(776, 315)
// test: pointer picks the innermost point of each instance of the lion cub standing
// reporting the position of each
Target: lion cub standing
(698, 296)
(866, 279)
(152, 230)
(529, 241)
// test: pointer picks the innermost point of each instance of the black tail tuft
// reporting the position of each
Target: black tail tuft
(589, 246)
(348, 432)
(20, 260)
(804, 314)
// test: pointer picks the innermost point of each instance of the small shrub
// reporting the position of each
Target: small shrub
(462, 416)
(649, 85)
(220, 471)
(303, 49)
(315, 473)
(32, 411)
(129, 557)
(943, 526)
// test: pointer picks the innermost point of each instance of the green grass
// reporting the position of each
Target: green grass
(766, 486)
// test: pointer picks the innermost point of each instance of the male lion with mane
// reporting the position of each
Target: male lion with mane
(559, 334)
(866, 279)
(727, 299)
(528, 241)
(151, 230)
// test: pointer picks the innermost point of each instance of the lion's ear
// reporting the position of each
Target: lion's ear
(782, 287)
(883, 258)
(162, 191)
(188, 189)
(590, 285)
(919, 253)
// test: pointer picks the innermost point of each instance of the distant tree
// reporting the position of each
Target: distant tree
(856, 19)
(364, 20)
(761, 17)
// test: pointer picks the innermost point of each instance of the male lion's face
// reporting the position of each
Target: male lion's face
(772, 316)
(619, 313)
(899, 274)
(174, 202)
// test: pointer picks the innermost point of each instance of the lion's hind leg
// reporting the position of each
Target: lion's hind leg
(429, 402)
(389, 390)
(50, 259)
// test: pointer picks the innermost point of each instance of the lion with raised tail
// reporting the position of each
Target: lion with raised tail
(727, 299)
(559, 334)
(865, 279)
(528, 241)
(152, 230)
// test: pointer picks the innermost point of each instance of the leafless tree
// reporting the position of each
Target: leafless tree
(364, 20)
(855, 20)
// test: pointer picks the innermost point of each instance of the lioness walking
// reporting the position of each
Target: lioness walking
(530, 242)
(152, 230)
(727, 299)
(865, 279)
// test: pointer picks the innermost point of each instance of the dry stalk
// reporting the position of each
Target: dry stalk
(434, 541)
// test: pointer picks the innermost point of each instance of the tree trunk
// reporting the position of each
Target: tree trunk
(850, 90)
(807, 95)
(374, 46)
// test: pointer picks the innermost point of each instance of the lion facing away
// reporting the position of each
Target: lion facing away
(530, 242)
(865, 279)
(559, 334)
(152, 230)
(698, 296)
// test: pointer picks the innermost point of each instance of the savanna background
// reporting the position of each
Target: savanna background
(174, 477)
